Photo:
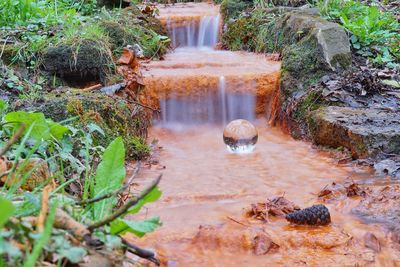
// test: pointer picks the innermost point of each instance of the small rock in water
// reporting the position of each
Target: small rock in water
(240, 136)
(315, 215)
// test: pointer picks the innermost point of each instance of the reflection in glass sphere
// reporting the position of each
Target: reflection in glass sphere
(240, 136)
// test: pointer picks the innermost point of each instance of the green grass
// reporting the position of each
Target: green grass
(374, 33)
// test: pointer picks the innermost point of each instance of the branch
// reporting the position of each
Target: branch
(114, 193)
(13, 139)
(126, 206)
(142, 253)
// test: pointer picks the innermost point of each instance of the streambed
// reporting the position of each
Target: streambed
(207, 189)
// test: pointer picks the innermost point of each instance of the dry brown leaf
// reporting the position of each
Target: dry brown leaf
(372, 242)
(262, 244)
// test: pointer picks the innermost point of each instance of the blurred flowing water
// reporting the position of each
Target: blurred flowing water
(199, 89)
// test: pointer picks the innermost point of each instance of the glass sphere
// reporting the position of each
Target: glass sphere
(240, 136)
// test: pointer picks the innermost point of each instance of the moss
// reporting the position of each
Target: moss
(241, 35)
(130, 26)
(118, 34)
(80, 62)
(9, 53)
(139, 148)
(114, 115)
(232, 8)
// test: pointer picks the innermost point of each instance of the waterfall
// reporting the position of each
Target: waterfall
(223, 99)
(193, 33)
(215, 106)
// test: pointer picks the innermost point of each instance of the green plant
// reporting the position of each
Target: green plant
(374, 33)
(97, 209)
(110, 176)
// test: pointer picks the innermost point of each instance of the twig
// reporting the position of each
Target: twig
(114, 193)
(134, 174)
(145, 254)
(143, 105)
(236, 221)
(12, 140)
(45, 207)
(92, 88)
(126, 206)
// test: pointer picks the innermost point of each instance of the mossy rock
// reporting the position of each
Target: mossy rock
(113, 3)
(86, 61)
(114, 115)
(130, 26)
(366, 132)
(119, 36)
(10, 51)
(241, 35)
(232, 8)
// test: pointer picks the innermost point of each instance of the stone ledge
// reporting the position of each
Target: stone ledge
(364, 131)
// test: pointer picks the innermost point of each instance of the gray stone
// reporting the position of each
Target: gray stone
(331, 37)
(364, 131)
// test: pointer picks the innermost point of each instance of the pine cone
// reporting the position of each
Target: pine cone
(315, 215)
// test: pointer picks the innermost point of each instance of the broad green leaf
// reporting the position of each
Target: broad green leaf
(152, 196)
(6, 210)
(110, 175)
(139, 228)
(41, 128)
(57, 130)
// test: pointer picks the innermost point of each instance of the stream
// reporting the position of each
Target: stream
(206, 189)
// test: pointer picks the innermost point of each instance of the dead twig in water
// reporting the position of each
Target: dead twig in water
(114, 193)
(145, 254)
(126, 206)
(236, 221)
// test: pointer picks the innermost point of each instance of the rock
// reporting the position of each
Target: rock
(113, 3)
(115, 115)
(331, 42)
(311, 49)
(79, 63)
(364, 131)
(387, 167)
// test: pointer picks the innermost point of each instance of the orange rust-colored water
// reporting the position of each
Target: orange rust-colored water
(179, 14)
(204, 185)
(206, 188)
(191, 71)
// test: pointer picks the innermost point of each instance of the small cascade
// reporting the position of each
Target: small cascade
(198, 84)
(194, 33)
(217, 106)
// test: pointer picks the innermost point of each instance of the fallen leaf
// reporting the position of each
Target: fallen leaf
(262, 244)
(372, 242)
